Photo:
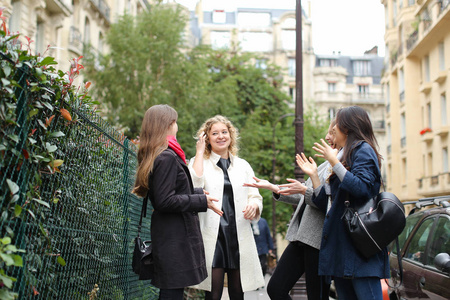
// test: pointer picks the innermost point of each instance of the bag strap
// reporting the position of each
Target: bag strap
(143, 213)
(400, 266)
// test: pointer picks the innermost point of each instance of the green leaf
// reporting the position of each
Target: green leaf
(48, 105)
(13, 187)
(5, 81)
(41, 202)
(6, 294)
(6, 240)
(7, 281)
(56, 134)
(7, 70)
(50, 148)
(17, 210)
(107, 203)
(61, 261)
(14, 137)
(18, 261)
(33, 112)
(55, 200)
(42, 124)
(47, 61)
(7, 258)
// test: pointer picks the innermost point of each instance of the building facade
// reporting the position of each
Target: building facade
(270, 33)
(61, 28)
(341, 80)
(416, 84)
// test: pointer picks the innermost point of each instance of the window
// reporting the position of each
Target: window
(14, 19)
(219, 16)
(288, 39)
(331, 113)
(401, 84)
(405, 171)
(443, 109)
(389, 138)
(261, 63)
(416, 249)
(291, 67)
(363, 89)
(39, 38)
(249, 19)
(87, 31)
(292, 93)
(441, 56)
(402, 125)
(430, 164)
(429, 115)
(327, 62)
(331, 87)
(426, 67)
(411, 2)
(388, 97)
(394, 12)
(361, 67)
(256, 41)
(100, 42)
(220, 39)
(440, 242)
(445, 160)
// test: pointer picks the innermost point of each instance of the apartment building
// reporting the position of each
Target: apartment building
(416, 84)
(341, 80)
(61, 28)
(269, 33)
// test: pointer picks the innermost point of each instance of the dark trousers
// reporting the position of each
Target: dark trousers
(297, 259)
(263, 261)
(171, 294)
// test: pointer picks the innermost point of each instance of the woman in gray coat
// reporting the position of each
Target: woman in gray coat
(304, 233)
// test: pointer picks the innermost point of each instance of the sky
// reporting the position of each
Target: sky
(348, 26)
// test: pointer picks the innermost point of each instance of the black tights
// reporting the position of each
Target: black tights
(234, 284)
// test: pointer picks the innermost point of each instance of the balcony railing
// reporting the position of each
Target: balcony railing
(394, 59)
(412, 39)
(444, 5)
(378, 124)
(103, 8)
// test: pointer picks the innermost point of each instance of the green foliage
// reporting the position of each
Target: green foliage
(65, 177)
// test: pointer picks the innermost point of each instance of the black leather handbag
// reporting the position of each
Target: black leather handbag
(142, 262)
(375, 224)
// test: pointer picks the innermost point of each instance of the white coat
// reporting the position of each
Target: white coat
(212, 181)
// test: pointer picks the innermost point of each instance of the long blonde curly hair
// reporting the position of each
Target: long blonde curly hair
(206, 129)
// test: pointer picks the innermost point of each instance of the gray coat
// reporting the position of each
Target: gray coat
(308, 227)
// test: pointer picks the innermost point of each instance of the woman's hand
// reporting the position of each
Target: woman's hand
(200, 146)
(308, 166)
(251, 211)
(326, 152)
(210, 200)
(263, 184)
(294, 187)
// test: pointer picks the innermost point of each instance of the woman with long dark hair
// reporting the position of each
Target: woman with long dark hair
(178, 252)
(355, 178)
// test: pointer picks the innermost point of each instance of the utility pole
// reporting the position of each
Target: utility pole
(298, 123)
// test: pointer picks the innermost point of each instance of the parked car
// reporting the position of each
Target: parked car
(424, 248)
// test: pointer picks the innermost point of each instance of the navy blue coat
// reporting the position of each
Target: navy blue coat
(338, 257)
(263, 240)
(178, 252)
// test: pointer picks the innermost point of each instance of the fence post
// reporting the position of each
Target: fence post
(125, 199)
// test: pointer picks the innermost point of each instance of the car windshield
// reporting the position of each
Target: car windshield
(411, 221)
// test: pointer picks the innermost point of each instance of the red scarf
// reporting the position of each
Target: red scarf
(173, 144)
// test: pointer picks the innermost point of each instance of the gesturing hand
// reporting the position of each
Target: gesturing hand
(262, 184)
(326, 151)
(201, 144)
(210, 200)
(294, 187)
(308, 166)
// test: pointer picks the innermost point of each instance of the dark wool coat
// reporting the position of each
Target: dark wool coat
(178, 252)
(338, 257)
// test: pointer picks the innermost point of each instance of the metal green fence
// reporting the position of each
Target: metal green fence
(91, 219)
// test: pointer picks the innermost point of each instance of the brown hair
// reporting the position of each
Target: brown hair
(206, 129)
(355, 123)
(155, 126)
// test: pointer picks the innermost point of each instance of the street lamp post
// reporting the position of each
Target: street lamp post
(298, 90)
(274, 158)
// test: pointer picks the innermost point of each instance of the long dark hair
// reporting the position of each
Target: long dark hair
(155, 125)
(355, 123)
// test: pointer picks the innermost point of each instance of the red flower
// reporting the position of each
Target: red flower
(425, 130)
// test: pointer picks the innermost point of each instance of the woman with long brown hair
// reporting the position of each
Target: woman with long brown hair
(163, 176)
(356, 178)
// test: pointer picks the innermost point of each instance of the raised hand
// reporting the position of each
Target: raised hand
(308, 166)
(326, 151)
(201, 144)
